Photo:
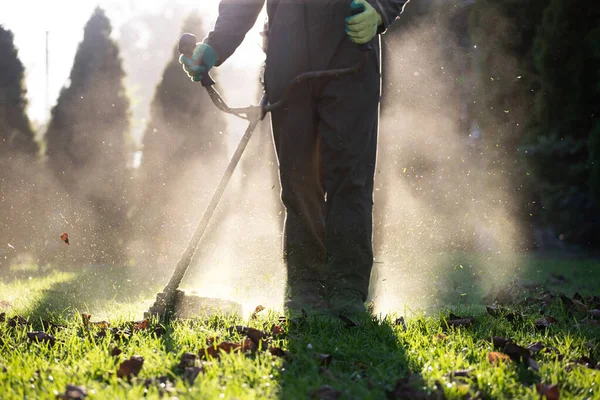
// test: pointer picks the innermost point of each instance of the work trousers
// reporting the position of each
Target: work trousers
(326, 144)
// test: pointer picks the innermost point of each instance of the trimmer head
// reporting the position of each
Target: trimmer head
(189, 307)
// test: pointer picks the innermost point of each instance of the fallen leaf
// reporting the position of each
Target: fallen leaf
(131, 367)
(535, 347)
(499, 342)
(551, 392)
(142, 325)
(278, 352)
(87, 322)
(256, 335)
(325, 393)
(258, 309)
(15, 321)
(115, 351)
(248, 345)
(400, 322)
(456, 321)
(191, 373)
(73, 393)
(214, 351)
(187, 360)
(41, 337)
(495, 357)
(277, 330)
(545, 322)
(516, 352)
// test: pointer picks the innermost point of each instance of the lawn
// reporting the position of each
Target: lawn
(532, 340)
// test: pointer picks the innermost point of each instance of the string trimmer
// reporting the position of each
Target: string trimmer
(172, 302)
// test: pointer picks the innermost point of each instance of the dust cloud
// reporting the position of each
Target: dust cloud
(446, 229)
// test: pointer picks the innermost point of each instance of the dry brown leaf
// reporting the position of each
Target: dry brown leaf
(41, 337)
(191, 373)
(551, 392)
(499, 342)
(115, 351)
(400, 322)
(145, 324)
(214, 351)
(187, 360)
(545, 322)
(248, 345)
(495, 357)
(258, 309)
(277, 351)
(535, 347)
(277, 330)
(73, 393)
(131, 367)
(457, 321)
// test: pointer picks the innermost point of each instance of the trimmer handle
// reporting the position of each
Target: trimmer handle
(187, 44)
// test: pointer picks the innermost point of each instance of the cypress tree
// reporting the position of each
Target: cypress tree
(183, 152)
(16, 133)
(88, 146)
(18, 151)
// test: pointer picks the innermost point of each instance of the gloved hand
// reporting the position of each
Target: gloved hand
(202, 60)
(362, 27)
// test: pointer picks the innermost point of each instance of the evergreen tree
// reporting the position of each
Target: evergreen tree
(565, 124)
(18, 156)
(15, 130)
(88, 146)
(183, 153)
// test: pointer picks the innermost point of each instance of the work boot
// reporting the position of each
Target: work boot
(347, 302)
(307, 299)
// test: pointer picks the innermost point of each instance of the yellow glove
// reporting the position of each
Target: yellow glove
(363, 24)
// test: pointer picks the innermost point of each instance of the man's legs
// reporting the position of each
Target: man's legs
(296, 144)
(348, 123)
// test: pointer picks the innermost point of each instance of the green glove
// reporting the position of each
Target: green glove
(202, 60)
(362, 28)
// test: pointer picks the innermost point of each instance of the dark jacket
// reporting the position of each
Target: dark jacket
(304, 35)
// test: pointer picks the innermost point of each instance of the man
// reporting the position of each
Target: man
(325, 137)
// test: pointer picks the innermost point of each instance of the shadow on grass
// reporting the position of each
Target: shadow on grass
(89, 291)
(333, 360)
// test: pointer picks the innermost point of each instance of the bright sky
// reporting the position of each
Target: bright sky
(65, 19)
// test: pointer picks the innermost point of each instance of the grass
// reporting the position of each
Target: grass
(325, 358)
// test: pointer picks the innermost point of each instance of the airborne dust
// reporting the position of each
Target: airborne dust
(445, 219)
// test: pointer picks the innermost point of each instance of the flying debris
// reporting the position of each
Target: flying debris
(65, 237)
